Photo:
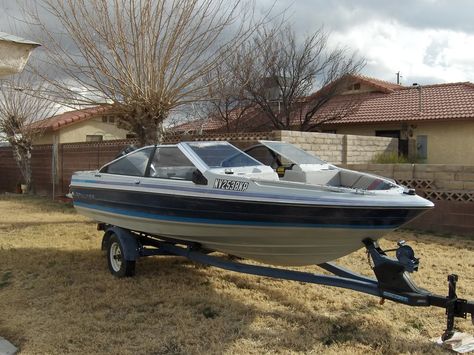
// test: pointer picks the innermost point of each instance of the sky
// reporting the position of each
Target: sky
(427, 41)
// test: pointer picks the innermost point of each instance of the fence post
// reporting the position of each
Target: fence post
(54, 163)
(344, 152)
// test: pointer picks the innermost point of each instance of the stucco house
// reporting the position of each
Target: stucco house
(434, 123)
(86, 125)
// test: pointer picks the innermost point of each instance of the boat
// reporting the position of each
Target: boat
(273, 203)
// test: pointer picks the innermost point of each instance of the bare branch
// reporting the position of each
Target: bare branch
(278, 75)
(142, 58)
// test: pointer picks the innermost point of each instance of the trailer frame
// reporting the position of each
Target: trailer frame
(392, 280)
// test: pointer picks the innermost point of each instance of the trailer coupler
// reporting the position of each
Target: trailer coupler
(395, 284)
(455, 307)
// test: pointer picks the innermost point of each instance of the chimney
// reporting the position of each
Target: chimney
(420, 97)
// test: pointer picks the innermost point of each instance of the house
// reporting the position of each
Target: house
(434, 123)
(86, 125)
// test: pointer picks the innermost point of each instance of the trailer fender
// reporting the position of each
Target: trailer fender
(130, 245)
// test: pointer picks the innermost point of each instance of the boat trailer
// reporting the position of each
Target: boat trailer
(392, 280)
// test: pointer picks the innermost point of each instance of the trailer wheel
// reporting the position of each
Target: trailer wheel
(118, 266)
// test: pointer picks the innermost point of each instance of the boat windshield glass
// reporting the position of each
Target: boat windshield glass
(170, 163)
(222, 155)
(131, 164)
(292, 153)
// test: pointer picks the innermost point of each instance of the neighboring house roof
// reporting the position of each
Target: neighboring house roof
(383, 86)
(440, 102)
(386, 103)
(68, 118)
(251, 120)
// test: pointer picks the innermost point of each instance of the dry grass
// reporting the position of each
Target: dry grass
(57, 296)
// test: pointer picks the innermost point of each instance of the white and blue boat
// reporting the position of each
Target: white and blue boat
(274, 203)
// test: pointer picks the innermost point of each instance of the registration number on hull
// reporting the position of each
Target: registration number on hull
(233, 185)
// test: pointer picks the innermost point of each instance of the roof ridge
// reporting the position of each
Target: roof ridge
(69, 117)
(458, 83)
(378, 82)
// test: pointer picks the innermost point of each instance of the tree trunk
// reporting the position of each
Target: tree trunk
(22, 156)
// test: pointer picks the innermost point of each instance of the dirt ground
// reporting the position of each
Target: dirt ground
(57, 296)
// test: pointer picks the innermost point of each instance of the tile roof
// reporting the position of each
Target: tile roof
(387, 103)
(440, 102)
(67, 118)
(251, 120)
(385, 86)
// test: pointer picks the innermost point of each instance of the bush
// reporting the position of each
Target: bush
(389, 158)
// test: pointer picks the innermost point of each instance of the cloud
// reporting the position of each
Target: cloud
(437, 55)
(341, 15)
(429, 41)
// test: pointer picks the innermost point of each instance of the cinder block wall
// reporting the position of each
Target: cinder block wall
(444, 177)
(340, 148)
(362, 149)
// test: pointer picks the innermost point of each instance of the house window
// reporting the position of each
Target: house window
(94, 138)
(108, 119)
(352, 87)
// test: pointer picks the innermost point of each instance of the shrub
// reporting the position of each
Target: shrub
(389, 158)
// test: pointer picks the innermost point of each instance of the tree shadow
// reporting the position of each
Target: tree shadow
(22, 225)
(448, 240)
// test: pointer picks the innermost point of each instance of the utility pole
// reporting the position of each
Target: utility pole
(398, 77)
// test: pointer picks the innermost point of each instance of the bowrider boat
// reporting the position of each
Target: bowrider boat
(274, 203)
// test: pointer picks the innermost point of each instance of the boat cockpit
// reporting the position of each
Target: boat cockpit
(269, 160)
(294, 164)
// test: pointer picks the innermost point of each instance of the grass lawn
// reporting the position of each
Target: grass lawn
(57, 296)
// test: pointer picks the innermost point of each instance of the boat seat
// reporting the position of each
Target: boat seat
(321, 177)
(349, 178)
(356, 180)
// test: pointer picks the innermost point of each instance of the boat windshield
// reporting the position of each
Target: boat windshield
(222, 154)
(292, 153)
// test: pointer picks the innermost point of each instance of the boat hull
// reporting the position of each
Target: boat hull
(275, 233)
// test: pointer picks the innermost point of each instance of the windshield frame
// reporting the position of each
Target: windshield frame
(315, 159)
(202, 165)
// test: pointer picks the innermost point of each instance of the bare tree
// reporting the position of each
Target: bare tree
(227, 98)
(139, 58)
(20, 108)
(278, 74)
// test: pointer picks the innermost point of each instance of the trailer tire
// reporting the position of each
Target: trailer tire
(118, 266)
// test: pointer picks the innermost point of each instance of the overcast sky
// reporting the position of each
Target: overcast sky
(428, 41)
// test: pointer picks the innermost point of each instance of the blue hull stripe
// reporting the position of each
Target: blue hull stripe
(141, 214)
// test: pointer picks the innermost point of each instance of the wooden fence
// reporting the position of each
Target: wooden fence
(53, 168)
